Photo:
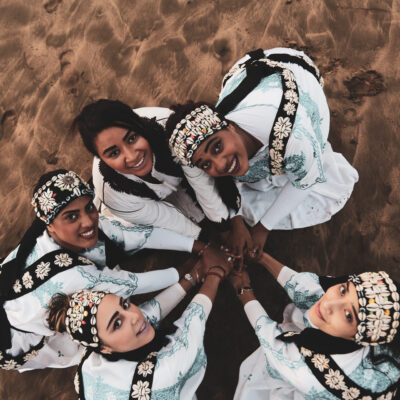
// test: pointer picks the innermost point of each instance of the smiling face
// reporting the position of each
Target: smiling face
(223, 153)
(76, 226)
(336, 312)
(124, 151)
(121, 325)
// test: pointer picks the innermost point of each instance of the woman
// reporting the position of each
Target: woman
(269, 133)
(128, 356)
(66, 248)
(134, 175)
(339, 340)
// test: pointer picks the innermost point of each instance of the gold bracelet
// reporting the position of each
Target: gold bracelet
(243, 290)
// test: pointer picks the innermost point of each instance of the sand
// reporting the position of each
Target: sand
(56, 56)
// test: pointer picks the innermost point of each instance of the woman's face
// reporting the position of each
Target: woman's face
(76, 226)
(336, 312)
(121, 325)
(124, 151)
(223, 154)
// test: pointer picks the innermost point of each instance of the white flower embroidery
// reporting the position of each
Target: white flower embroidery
(145, 368)
(388, 396)
(141, 391)
(10, 364)
(76, 383)
(282, 127)
(276, 157)
(42, 270)
(305, 352)
(350, 393)
(288, 75)
(17, 286)
(1, 355)
(366, 398)
(85, 260)
(320, 362)
(47, 201)
(290, 84)
(277, 144)
(67, 181)
(27, 280)
(291, 95)
(63, 260)
(31, 355)
(335, 380)
(289, 108)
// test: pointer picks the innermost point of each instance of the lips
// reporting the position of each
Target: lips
(139, 163)
(318, 311)
(143, 328)
(234, 166)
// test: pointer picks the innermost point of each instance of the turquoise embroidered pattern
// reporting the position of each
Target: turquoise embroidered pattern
(45, 292)
(95, 388)
(152, 311)
(295, 165)
(93, 280)
(258, 168)
(173, 392)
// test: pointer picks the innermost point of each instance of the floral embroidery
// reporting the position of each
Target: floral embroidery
(320, 361)
(145, 368)
(334, 379)
(63, 260)
(292, 96)
(282, 127)
(9, 365)
(17, 286)
(141, 391)
(85, 260)
(42, 270)
(350, 393)
(68, 181)
(31, 355)
(47, 201)
(76, 383)
(305, 352)
(27, 280)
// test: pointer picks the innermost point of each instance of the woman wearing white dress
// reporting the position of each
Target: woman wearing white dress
(269, 132)
(128, 356)
(339, 339)
(134, 175)
(69, 247)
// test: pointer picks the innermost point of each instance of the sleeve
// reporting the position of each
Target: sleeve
(161, 305)
(303, 288)
(125, 283)
(206, 193)
(286, 201)
(184, 356)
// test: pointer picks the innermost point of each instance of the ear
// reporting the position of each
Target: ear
(50, 228)
(104, 349)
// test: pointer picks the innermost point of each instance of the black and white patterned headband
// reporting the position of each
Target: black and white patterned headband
(378, 299)
(81, 318)
(60, 190)
(193, 130)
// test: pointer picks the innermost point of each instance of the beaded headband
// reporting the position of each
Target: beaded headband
(81, 319)
(379, 312)
(193, 130)
(62, 188)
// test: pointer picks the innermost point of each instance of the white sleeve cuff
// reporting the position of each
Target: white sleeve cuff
(204, 301)
(254, 310)
(285, 274)
(169, 298)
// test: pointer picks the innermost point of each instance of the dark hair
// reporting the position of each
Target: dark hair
(225, 185)
(58, 307)
(104, 113)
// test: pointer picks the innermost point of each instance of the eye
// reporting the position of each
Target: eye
(117, 324)
(113, 154)
(348, 316)
(218, 147)
(206, 165)
(132, 138)
(342, 290)
(90, 207)
(72, 217)
(125, 304)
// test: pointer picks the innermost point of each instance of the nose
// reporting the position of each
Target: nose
(220, 164)
(330, 306)
(87, 219)
(129, 154)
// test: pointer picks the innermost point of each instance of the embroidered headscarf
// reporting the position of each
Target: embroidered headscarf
(61, 189)
(193, 130)
(81, 319)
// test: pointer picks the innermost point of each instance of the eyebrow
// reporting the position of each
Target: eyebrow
(115, 314)
(127, 134)
(69, 212)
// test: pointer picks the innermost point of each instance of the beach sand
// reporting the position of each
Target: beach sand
(56, 56)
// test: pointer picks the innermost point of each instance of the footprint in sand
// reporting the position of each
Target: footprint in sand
(366, 83)
(8, 123)
(51, 6)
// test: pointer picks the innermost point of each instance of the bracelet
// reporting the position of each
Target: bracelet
(244, 289)
(214, 273)
(201, 251)
(220, 268)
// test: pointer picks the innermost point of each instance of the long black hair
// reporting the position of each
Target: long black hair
(225, 185)
(104, 113)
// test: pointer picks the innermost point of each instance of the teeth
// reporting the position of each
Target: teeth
(233, 166)
(87, 234)
(142, 328)
(139, 163)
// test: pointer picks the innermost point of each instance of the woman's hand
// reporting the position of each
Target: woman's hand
(239, 279)
(212, 257)
(240, 241)
(259, 234)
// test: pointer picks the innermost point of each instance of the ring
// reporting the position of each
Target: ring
(230, 259)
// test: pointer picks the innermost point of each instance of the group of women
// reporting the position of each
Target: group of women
(171, 179)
